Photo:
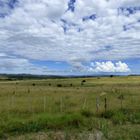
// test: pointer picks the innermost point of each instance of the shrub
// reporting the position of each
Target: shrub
(59, 85)
(33, 84)
(71, 85)
(83, 81)
(107, 114)
(86, 113)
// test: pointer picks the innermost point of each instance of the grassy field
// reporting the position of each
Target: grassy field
(70, 108)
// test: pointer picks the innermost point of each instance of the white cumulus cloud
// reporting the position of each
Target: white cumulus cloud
(109, 67)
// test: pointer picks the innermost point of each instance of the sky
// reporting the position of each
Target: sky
(70, 37)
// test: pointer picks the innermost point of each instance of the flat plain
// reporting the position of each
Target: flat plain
(66, 108)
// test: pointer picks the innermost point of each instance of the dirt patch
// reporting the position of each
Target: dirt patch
(97, 135)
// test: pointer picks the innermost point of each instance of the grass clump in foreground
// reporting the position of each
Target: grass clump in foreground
(122, 116)
(42, 122)
(109, 122)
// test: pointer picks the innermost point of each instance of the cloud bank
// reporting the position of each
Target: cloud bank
(74, 31)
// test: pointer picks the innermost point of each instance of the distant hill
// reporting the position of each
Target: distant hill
(25, 76)
(12, 77)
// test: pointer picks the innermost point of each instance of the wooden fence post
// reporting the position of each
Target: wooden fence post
(61, 104)
(12, 101)
(84, 104)
(105, 105)
(121, 98)
(44, 104)
(28, 90)
(97, 104)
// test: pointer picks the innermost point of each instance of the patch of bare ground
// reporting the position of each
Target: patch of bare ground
(59, 135)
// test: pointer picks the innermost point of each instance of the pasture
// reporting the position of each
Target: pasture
(71, 106)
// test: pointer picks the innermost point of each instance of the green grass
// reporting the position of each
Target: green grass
(31, 106)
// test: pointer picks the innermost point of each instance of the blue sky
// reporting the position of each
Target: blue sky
(67, 37)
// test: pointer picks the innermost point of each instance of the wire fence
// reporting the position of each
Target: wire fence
(96, 104)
